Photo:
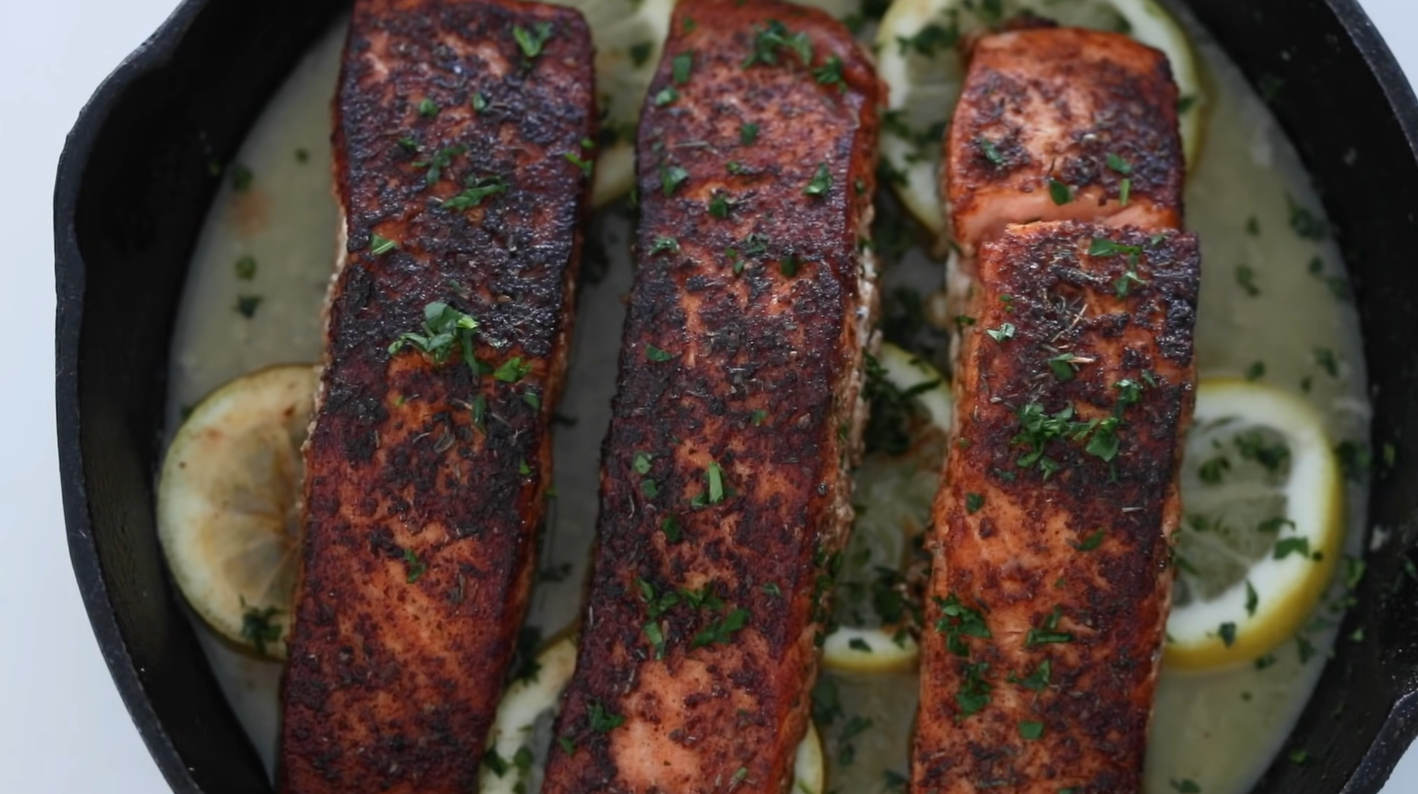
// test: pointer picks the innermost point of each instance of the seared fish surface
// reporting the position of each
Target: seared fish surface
(458, 151)
(1063, 113)
(724, 487)
(1051, 536)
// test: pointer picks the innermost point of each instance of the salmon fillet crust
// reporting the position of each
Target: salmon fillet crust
(1063, 124)
(1051, 544)
(724, 487)
(458, 150)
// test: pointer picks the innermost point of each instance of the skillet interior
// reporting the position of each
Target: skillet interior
(136, 179)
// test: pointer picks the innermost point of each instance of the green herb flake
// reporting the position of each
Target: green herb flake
(830, 73)
(1287, 546)
(670, 527)
(1185, 786)
(241, 177)
(1227, 632)
(748, 133)
(957, 622)
(476, 190)
(246, 305)
(479, 102)
(973, 502)
(512, 370)
(1061, 194)
(821, 182)
(1246, 278)
(715, 480)
(671, 177)
(640, 53)
(1298, 756)
(1255, 371)
(991, 152)
(566, 744)
(663, 245)
(381, 245)
(1092, 541)
(1030, 730)
(666, 96)
(1125, 192)
(413, 566)
(1003, 332)
(302, 156)
(641, 462)
(1118, 165)
(657, 355)
(257, 627)
(1252, 599)
(719, 205)
(681, 67)
(1062, 366)
(428, 108)
(602, 719)
(1327, 361)
(758, 417)
(532, 42)
(1253, 226)
(1305, 223)
(246, 268)
(773, 37)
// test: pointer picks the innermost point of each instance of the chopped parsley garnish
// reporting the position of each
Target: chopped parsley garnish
(991, 152)
(957, 622)
(1304, 222)
(681, 67)
(1125, 192)
(671, 177)
(532, 41)
(1118, 164)
(973, 502)
(512, 370)
(722, 630)
(241, 178)
(443, 327)
(748, 133)
(1186, 786)
(1252, 599)
(719, 205)
(475, 191)
(1037, 680)
(663, 245)
(830, 73)
(641, 463)
(246, 268)
(246, 305)
(566, 744)
(715, 480)
(302, 155)
(1092, 541)
(670, 527)
(929, 40)
(1061, 194)
(788, 265)
(439, 161)
(1227, 632)
(821, 182)
(1103, 247)
(656, 354)
(773, 37)
(974, 692)
(1253, 226)
(1255, 371)
(603, 720)
(665, 96)
(257, 628)
(1048, 635)
(1246, 277)
(479, 102)
(1062, 366)
(758, 417)
(1003, 332)
(1327, 361)
(428, 108)
(413, 566)
(640, 53)
(587, 166)
(1030, 730)
(1287, 546)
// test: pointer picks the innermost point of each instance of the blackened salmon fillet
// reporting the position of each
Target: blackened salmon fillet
(724, 486)
(1063, 124)
(462, 173)
(1051, 582)
(1075, 376)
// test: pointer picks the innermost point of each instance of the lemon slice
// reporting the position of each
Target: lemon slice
(893, 492)
(1262, 525)
(228, 504)
(918, 60)
(629, 36)
(521, 731)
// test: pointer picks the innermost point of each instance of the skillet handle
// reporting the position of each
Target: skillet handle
(1389, 746)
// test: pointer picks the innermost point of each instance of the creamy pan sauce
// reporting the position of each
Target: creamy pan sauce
(1262, 301)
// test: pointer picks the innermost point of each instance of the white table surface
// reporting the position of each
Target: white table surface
(62, 726)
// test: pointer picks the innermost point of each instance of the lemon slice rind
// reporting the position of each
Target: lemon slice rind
(227, 501)
(1282, 592)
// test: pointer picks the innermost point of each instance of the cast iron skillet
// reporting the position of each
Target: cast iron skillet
(141, 166)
